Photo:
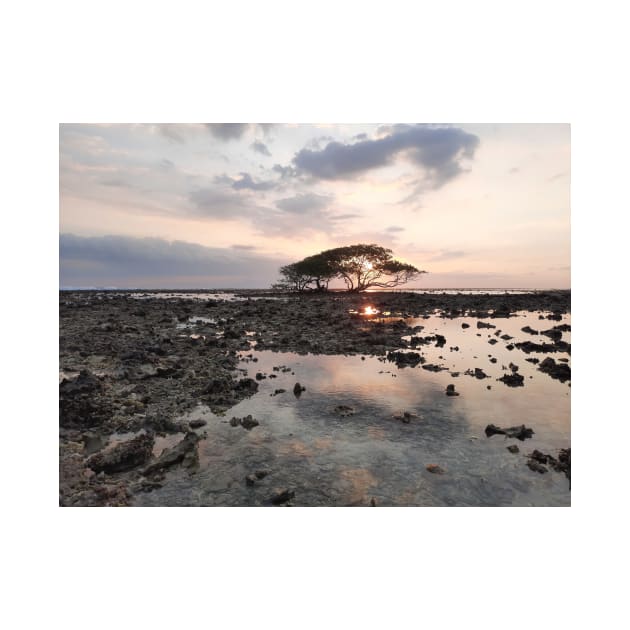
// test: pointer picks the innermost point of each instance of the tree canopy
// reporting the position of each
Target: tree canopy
(359, 266)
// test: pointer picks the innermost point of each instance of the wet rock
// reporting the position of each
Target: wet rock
(93, 442)
(529, 330)
(247, 385)
(492, 342)
(124, 456)
(261, 474)
(450, 390)
(435, 469)
(506, 337)
(248, 422)
(533, 360)
(404, 359)
(520, 432)
(513, 380)
(559, 371)
(513, 367)
(196, 424)
(298, 389)
(493, 360)
(174, 455)
(344, 410)
(481, 324)
(440, 341)
(552, 333)
(513, 448)
(282, 496)
(260, 376)
(465, 325)
(278, 391)
(480, 374)
(536, 467)
(405, 417)
(82, 403)
(431, 367)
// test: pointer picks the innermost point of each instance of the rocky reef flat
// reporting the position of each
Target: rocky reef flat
(135, 368)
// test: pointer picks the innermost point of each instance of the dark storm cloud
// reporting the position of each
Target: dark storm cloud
(117, 260)
(304, 203)
(260, 147)
(438, 150)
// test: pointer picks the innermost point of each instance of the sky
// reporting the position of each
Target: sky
(225, 205)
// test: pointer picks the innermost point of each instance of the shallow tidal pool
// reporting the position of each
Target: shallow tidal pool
(370, 453)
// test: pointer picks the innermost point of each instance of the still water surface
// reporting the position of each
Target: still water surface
(329, 459)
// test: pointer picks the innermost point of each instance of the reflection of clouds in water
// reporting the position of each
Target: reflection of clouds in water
(333, 460)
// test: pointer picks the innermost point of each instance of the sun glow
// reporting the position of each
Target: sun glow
(369, 310)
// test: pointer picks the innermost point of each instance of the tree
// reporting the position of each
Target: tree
(359, 266)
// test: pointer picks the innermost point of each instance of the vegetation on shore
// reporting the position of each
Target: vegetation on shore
(360, 267)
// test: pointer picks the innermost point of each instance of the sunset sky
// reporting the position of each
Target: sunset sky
(224, 205)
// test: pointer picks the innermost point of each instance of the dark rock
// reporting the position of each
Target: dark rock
(260, 376)
(481, 324)
(196, 424)
(250, 480)
(282, 496)
(93, 442)
(536, 467)
(248, 385)
(528, 329)
(450, 390)
(552, 333)
(513, 380)
(404, 359)
(431, 367)
(248, 422)
(344, 410)
(513, 448)
(506, 337)
(479, 373)
(492, 342)
(124, 456)
(435, 469)
(439, 341)
(559, 371)
(465, 325)
(174, 455)
(278, 391)
(298, 389)
(520, 432)
(261, 474)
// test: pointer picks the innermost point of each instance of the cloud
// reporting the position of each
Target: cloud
(245, 182)
(227, 131)
(557, 176)
(219, 204)
(243, 247)
(260, 147)
(395, 228)
(284, 171)
(154, 262)
(440, 152)
(235, 131)
(304, 203)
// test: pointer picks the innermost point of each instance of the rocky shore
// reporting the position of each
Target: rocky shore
(133, 364)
